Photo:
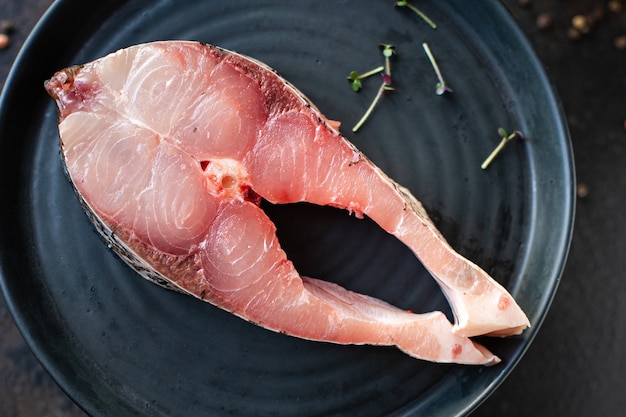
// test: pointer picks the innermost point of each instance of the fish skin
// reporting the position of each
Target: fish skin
(128, 149)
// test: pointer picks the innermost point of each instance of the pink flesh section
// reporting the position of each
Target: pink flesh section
(251, 277)
(174, 175)
(290, 163)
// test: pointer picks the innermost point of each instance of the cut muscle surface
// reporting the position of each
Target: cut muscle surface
(170, 147)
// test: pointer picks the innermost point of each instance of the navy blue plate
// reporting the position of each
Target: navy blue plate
(119, 345)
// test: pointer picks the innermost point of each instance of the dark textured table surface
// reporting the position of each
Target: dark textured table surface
(575, 366)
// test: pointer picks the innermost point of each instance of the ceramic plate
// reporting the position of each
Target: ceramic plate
(119, 345)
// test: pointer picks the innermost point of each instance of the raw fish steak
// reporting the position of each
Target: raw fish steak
(171, 146)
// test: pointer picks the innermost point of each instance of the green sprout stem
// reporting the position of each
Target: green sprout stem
(505, 139)
(355, 78)
(442, 87)
(372, 72)
(384, 87)
(388, 51)
(421, 14)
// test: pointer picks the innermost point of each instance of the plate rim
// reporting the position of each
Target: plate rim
(55, 13)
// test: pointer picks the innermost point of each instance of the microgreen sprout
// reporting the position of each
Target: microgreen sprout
(384, 87)
(506, 137)
(405, 3)
(441, 87)
(355, 78)
(388, 51)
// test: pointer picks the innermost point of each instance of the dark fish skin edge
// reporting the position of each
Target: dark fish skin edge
(116, 244)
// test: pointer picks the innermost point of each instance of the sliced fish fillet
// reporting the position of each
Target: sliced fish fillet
(172, 145)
